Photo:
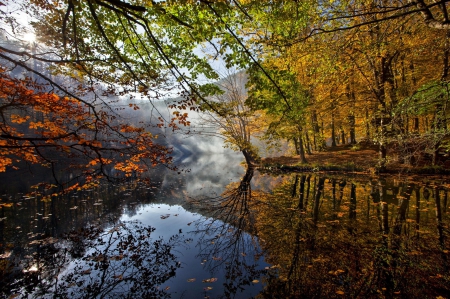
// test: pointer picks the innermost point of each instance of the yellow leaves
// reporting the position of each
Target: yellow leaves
(340, 292)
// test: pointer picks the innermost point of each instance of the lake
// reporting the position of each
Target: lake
(218, 230)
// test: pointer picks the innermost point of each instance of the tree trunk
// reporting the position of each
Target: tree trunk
(308, 143)
(333, 133)
(250, 159)
(302, 150)
(342, 135)
(416, 125)
(297, 149)
(367, 125)
(382, 146)
(351, 122)
(301, 147)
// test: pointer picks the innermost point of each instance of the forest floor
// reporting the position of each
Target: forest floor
(347, 158)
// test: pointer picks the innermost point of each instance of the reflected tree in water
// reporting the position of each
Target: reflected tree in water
(121, 262)
(321, 245)
(226, 239)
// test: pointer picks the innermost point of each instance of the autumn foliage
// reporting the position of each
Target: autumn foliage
(41, 127)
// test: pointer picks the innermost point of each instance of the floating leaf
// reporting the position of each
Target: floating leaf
(207, 288)
(210, 280)
(255, 280)
(191, 280)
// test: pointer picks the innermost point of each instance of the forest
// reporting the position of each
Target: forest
(118, 122)
(313, 74)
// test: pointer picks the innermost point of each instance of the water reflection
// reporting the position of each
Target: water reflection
(227, 242)
(331, 236)
(290, 236)
(123, 261)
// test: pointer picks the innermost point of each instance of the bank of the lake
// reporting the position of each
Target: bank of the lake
(352, 159)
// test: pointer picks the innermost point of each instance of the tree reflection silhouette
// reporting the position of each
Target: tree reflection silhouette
(225, 240)
(120, 262)
(323, 249)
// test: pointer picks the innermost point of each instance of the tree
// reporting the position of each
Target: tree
(236, 122)
(56, 95)
(42, 127)
(286, 109)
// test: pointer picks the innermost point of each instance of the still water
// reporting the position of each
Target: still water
(217, 230)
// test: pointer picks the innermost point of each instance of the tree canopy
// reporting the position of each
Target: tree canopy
(368, 69)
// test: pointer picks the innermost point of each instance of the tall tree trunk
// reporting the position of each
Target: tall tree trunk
(297, 149)
(302, 151)
(416, 124)
(342, 136)
(351, 122)
(367, 125)
(315, 126)
(333, 133)
(308, 143)
(382, 147)
(300, 146)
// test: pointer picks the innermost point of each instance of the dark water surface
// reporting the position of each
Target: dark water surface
(220, 231)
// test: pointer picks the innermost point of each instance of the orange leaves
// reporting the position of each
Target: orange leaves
(134, 106)
(4, 161)
(181, 118)
(43, 127)
(99, 160)
(19, 119)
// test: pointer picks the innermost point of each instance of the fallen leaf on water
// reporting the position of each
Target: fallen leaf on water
(210, 280)
(255, 281)
(167, 288)
(191, 280)
(207, 288)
